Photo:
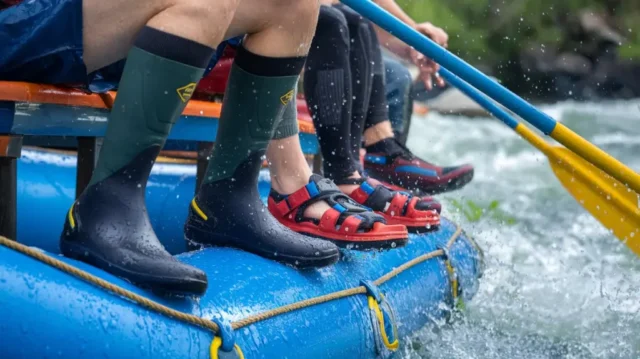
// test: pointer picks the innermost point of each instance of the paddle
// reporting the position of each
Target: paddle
(613, 204)
(541, 121)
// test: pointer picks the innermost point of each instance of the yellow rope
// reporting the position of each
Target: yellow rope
(418, 260)
(207, 324)
(298, 305)
(343, 293)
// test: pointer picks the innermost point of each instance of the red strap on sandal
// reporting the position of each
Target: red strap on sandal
(329, 220)
(350, 224)
(396, 207)
(346, 223)
(401, 209)
(296, 199)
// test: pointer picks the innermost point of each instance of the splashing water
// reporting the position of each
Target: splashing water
(557, 284)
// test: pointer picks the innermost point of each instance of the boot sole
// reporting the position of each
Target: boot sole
(296, 262)
(143, 280)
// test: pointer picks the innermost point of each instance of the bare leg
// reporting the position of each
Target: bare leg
(275, 27)
(290, 171)
(110, 27)
(288, 167)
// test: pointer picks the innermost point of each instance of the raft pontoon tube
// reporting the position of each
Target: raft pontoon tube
(366, 305)
(48, 312)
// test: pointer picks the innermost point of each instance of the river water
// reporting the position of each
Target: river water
(557, 284)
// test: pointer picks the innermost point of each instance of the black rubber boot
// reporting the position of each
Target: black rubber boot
(108, 227)
(229, 212)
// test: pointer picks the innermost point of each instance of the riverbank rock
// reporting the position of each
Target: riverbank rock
(585, 66)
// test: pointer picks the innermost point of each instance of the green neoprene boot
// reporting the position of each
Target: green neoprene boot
(108, 226)
(227, 210)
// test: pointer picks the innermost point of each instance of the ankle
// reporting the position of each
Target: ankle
(289, 184)
(377, 133)
(349, 188)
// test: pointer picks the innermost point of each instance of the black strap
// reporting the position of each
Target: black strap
(331, 194)
(348, 180)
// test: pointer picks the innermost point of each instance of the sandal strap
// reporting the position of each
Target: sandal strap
(344, 212)
(298, 198)
(330, 221)
(343, 181)
(394, 203)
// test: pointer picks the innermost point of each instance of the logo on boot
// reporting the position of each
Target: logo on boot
(185, 92)
(286, 97)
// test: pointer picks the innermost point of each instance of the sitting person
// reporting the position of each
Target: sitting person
(168, 47)
(157, 63)
(344, 86)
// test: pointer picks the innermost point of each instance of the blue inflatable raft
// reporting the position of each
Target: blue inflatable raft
(365, 306)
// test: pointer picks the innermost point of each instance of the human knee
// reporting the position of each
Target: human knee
(224, 9)
(332, 19)
(204, 21)
(351, 16)
(300, 15)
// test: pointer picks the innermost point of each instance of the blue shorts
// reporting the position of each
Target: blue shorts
(41, 42)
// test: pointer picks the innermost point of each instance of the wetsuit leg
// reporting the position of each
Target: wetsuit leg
(376, 108)
(367, 78)
(328, 91)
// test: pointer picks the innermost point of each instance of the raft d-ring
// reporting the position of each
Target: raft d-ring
(372, 290)
(384, 325)
(224, 344)
(453, 279)
(216, 353)
(383, 321)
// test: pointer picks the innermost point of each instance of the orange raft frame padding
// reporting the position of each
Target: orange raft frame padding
(49, 94)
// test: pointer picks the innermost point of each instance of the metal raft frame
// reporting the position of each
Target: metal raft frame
(28, 109)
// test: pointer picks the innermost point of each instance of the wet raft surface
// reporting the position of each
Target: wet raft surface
(74, 319)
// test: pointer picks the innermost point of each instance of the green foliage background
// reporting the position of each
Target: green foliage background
(492, 32)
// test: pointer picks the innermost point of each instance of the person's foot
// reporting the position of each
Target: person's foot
(343, 221)
(389, 161)
(229, 212)
(108, 227)
(396, 207)
(425, 203)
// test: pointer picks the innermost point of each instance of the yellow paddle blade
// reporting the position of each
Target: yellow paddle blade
(613, 204)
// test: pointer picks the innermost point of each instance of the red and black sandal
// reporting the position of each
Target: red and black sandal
(426, 203)
(390, 161)
(397, 207)
(347, 223)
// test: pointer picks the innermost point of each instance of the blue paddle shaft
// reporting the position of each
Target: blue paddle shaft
(466, 72)
(479, 98)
